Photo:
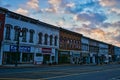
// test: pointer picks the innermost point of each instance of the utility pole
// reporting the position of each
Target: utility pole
(17, 52)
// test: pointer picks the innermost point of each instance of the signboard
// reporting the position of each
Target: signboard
(2, 21)
(13, 48)
(46, 50)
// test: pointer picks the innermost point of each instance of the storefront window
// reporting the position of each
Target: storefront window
(27, 57)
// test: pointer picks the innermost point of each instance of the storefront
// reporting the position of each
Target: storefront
(85, 57)
(63, 57)
(76, 57)
(10, 55)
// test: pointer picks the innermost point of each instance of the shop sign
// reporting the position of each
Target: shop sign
(13, 48)
(46, 50)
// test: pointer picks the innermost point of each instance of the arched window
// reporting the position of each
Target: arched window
(55, 41)
(51, 39)
(46, 39)
(40, 38)
(17, 29)
(24, 34)
(31, 35)
(8, 31)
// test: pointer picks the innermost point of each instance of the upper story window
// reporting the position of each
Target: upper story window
(17, 29)
(24, 34)
(8, 31)
(51, 39)
(55, 41)
(31, 35)
(40, 38)
(46, 39)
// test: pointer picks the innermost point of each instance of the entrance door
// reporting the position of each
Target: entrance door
(46, 58)
(27, 57)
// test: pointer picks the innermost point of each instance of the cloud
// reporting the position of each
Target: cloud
(54, 5)
(94, 18)
(33, 4)
(115, 10)
(108, 2)
(22, 11)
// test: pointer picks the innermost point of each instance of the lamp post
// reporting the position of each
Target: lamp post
(17, 47)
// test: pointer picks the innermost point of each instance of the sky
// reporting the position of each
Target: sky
(97, 19)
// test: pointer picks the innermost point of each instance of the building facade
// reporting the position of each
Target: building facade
(26, 40)
(94, 50)
(69, 46)
(103, 53)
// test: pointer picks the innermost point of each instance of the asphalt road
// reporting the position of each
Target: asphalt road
(65, 72)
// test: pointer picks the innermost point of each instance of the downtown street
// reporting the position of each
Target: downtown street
(65, 72)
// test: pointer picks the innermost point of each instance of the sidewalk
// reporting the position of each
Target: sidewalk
(46, 65)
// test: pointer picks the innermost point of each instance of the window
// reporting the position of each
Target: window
(38, 54)
(16, 36)
(55, 41)
(7, 34)
(31, 35)
(46, 38)
(40, 38)
(51, 37)
(24, 34)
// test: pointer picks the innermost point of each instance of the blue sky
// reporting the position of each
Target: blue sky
(97, 19)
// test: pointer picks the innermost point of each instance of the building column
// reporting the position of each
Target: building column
(21, 57)
(1, 53)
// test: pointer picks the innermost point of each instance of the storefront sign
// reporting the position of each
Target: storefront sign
(13, 48)
(2, 21)
(46, 50)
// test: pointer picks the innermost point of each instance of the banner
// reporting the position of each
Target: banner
(46, 50)
(2, 21)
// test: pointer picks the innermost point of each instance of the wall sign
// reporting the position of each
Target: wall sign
(13, 48)
(46, 50)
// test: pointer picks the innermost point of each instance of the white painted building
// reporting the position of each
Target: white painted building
(117, 53)
(38, 43)
(85, 49)
(103, 52)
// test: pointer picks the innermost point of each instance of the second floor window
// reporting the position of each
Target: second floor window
(8, 31)
(24, 34)
(31, 35)
(16, 28)
(40, 38)
(55, 41)
(51, 39)
(46, 39)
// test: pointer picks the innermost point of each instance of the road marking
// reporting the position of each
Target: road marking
(79, 74)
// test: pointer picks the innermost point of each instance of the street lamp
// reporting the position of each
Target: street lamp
(18, 42)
